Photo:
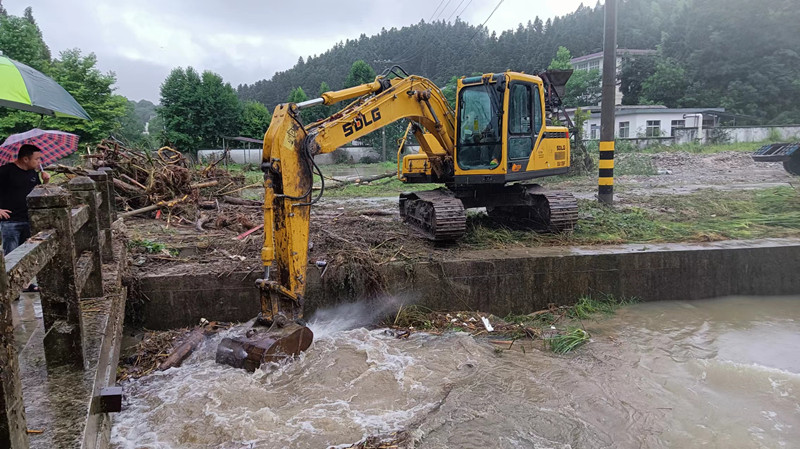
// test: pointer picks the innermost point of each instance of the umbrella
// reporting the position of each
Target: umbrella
(54, 145)
(24, 88)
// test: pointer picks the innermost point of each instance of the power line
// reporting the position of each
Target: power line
(443, 8)
(487, 19)
(454, 10)
(492, 13)
(434, 11)
(408, 56)
(411, 54)
(465, 8)
(406, 52)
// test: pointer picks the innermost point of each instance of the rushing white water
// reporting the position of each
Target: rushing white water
(721, 373)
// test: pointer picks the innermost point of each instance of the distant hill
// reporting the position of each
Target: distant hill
(738, 54)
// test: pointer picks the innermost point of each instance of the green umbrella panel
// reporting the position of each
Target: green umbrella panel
(27, 89)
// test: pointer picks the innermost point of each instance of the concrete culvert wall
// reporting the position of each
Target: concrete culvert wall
(499, 282)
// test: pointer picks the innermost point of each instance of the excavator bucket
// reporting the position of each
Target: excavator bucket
(263, 346)
(558, 80)
(555, 85)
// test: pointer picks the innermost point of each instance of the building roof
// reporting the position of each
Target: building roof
(620, 52)
(650, 109)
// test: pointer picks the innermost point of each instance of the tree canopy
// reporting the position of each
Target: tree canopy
(255, 120)
(197, 109)
(21, 40)
(736, 54)
(360, 73)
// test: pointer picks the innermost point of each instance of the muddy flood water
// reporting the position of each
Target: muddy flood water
(719, 373)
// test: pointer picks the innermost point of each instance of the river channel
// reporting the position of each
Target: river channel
(715, 373)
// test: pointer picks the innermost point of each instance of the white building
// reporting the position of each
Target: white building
(595, 61)
(649, 121)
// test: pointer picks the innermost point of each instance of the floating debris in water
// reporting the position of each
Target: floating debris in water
(395, 440)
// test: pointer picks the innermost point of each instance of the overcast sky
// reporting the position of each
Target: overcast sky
(242, 40)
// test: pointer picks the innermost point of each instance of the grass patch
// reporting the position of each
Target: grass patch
(696, 148)
(638, 164)
(707, 215)
(252, 174)
(541, 319)
(570, 340)
(414, 317)
(483, 232)
(390, 187)
(150, 247)
(559, 328)
(702, 216)
(588, 306)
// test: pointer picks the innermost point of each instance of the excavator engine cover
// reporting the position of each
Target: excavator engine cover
(273, 345)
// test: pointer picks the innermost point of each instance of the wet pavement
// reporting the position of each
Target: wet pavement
(56, 399)
(26, 313)
(50, 396)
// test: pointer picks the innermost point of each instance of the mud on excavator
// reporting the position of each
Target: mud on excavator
(500, 135)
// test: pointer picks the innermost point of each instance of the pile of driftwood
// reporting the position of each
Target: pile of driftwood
(161, 350)
(166, 182)
(164, 179)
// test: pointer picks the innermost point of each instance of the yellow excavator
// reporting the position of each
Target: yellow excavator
(500, 134)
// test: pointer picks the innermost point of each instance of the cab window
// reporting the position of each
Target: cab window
(479, 143)
(537, 111)
(521, 121)
(519, 106)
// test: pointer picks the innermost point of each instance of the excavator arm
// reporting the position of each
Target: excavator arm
(288, 166)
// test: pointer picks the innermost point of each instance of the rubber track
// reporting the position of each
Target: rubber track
(545, 211)
(563, 210)
(435, 213)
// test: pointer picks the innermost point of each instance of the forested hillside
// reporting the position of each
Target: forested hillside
(736, 54)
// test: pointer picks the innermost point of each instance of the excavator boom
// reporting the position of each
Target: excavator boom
(288, 166)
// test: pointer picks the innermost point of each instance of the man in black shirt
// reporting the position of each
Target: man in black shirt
(17, 179)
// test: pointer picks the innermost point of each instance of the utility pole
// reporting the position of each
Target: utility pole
(605, 181)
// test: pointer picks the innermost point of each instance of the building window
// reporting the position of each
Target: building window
(677, 124)
(624, 129)
(594, 65)
(653, 128)
(595, 130)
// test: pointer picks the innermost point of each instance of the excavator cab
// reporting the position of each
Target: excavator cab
(502, 134)
(504, 138)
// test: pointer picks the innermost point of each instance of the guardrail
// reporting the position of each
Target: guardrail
(72, 239)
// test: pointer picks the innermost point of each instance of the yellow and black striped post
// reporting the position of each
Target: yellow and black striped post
(605, 181)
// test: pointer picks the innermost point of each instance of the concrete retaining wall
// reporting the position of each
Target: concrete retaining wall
(761, 133)
(733, 134)
(501, 282)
